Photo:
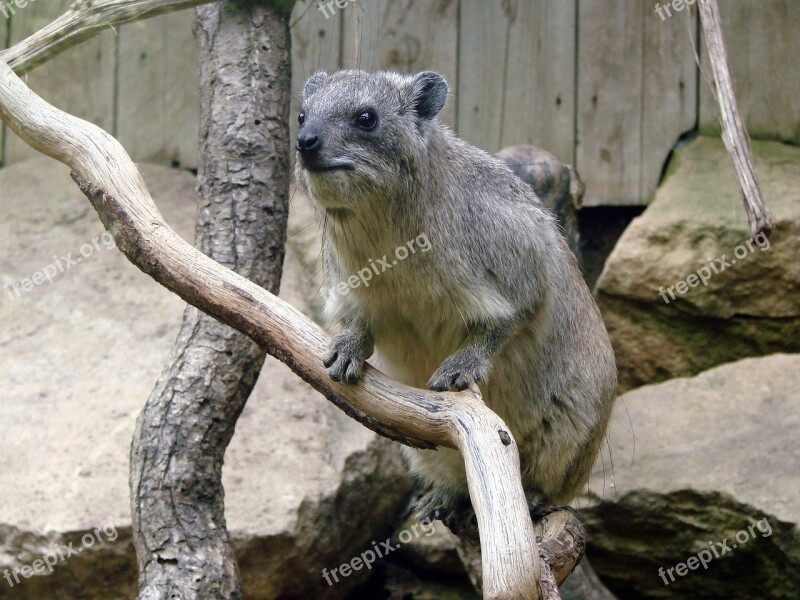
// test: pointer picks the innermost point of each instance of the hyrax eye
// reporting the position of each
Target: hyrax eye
(366, 120)
(301, 118)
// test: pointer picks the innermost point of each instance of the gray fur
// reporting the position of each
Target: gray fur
(498, 299)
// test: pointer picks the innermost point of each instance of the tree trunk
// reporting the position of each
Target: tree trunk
(177, 497)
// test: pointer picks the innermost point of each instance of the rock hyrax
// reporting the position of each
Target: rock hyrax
(496, 299)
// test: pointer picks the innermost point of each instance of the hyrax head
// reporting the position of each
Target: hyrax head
(364, 134)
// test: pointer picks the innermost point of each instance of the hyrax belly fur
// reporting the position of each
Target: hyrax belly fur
(489, 293)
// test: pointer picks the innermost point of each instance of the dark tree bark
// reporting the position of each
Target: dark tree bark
(181, 436)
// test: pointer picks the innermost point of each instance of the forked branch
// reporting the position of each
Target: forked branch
(511, 565)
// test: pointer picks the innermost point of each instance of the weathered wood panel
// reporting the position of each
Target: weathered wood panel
(79, 81)
(404, 35)
(669, 92)
(609, 107)
(763, 43)
(158, 96)
(316, 46)
(539, 103)
(604, 84)
(482, 57)
(517, 74)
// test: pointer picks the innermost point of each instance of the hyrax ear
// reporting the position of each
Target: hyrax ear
(429, 94)
(313, 83)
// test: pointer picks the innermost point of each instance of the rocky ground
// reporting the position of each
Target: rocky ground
(690, 463)
(683, 291)
(305, 485)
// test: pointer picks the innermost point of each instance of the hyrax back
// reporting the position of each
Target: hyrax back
(496, 299)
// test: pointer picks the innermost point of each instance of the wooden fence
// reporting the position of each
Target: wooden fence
(607, 85)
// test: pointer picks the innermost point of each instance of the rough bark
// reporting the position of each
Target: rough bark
(181, 436)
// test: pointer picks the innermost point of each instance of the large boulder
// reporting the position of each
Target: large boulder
(686, 288)
(306, 487)
(693, 463)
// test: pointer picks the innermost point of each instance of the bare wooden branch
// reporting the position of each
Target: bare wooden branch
(563, 542)
(84, 19)
(511, 564)
(734, 133)
(563, 545)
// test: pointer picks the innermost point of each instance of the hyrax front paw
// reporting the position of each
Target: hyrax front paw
(454, 510)
(459, 370)
(346, 355)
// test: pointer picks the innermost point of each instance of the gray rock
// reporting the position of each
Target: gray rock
(696, 461)
(424, 566)
(584, 584)
(683, 545)
(432, 553)
(749, 308)
(558, 186)
(306, 487)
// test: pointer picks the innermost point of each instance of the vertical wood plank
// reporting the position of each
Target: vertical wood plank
(79, 81)
(482, 65)
(609, 107)
(406, 36)
(669, 93)
(539, 103)
(158, 95)
(763, 42)
(316, 46)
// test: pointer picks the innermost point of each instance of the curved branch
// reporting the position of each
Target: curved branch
(83, 20)
(511, 564)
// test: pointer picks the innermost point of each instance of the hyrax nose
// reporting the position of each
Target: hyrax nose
(308, 142)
